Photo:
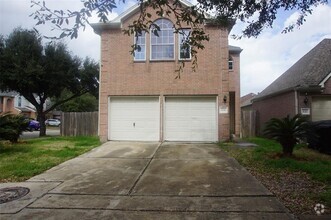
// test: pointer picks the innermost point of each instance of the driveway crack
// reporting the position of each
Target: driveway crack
(143, 171)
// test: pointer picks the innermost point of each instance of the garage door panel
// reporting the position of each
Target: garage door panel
(190, 119)
(321, 108)
(134, 118)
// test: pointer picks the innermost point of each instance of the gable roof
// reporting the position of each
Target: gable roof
(246, 100)
(8, 93)
(117, 22)
(133, 9)
(308, 72)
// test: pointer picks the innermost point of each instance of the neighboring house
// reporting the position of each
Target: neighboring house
(304, 88)
(16, 104)
(7, 102)
(246, 102)
(25, 107)
(140, 99)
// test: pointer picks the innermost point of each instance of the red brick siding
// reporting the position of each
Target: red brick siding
(234, 85)
(278, 106)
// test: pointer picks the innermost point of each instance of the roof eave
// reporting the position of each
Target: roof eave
(228, 24)
(235, 50)
(311, 88)
(98, 27)
(322, 83)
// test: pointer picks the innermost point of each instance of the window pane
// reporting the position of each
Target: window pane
(185, 53)
(139, 54)
(230, 65)
(165, 52)
(184, 48)
(162, 46)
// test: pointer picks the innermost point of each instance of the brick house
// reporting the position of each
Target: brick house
(15, 103)
(140, 99)
(7, 102)
(304, 88)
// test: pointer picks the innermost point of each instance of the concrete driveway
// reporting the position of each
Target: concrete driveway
(130, 180)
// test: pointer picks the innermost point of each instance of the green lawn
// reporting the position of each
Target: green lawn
(28, 158)
(303, 180)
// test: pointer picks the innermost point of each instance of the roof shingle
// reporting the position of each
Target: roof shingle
(309, 71)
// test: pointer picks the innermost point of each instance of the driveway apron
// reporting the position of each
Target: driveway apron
(146, 180)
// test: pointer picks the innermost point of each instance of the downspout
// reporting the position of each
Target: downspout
(100, 80)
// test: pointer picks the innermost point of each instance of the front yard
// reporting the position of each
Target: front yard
(19, 162)
(299, 182)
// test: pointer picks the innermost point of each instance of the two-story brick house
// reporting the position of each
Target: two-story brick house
(140, 97)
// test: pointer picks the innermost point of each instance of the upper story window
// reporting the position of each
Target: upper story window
(230, 63)
(163, 42)
(19, 101)
(184, 47)
(140, 52)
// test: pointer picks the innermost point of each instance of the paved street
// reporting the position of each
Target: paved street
(35, 134)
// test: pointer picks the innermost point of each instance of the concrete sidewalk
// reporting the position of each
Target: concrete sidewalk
(136, 180)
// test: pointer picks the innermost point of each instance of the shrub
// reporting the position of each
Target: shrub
(12, 126)
(288, 131)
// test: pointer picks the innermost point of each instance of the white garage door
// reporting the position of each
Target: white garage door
(134, 118)
(321, 108)
(190, 119)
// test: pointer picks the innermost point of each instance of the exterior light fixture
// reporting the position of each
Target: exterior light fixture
(224, 99)
(305, 101)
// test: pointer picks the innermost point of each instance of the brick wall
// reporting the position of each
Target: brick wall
(121, 75)
(234, 85)
(278, 106)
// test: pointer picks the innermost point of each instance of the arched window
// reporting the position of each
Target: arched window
(162, 41)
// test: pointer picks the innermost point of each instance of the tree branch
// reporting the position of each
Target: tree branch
(65, 100)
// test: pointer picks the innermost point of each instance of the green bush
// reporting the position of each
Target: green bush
(288, 131)
(12, 126)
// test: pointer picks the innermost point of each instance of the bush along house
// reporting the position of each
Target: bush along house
(140, 97)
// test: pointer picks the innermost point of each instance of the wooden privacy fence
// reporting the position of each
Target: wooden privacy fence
(248, 123)
(79, 123)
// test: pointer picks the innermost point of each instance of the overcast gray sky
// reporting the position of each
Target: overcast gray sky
(263, 59)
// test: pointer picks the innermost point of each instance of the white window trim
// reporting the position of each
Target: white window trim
(230, 60)
(150, 48)
(322, 84)
(134, 57)
(179, 43)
